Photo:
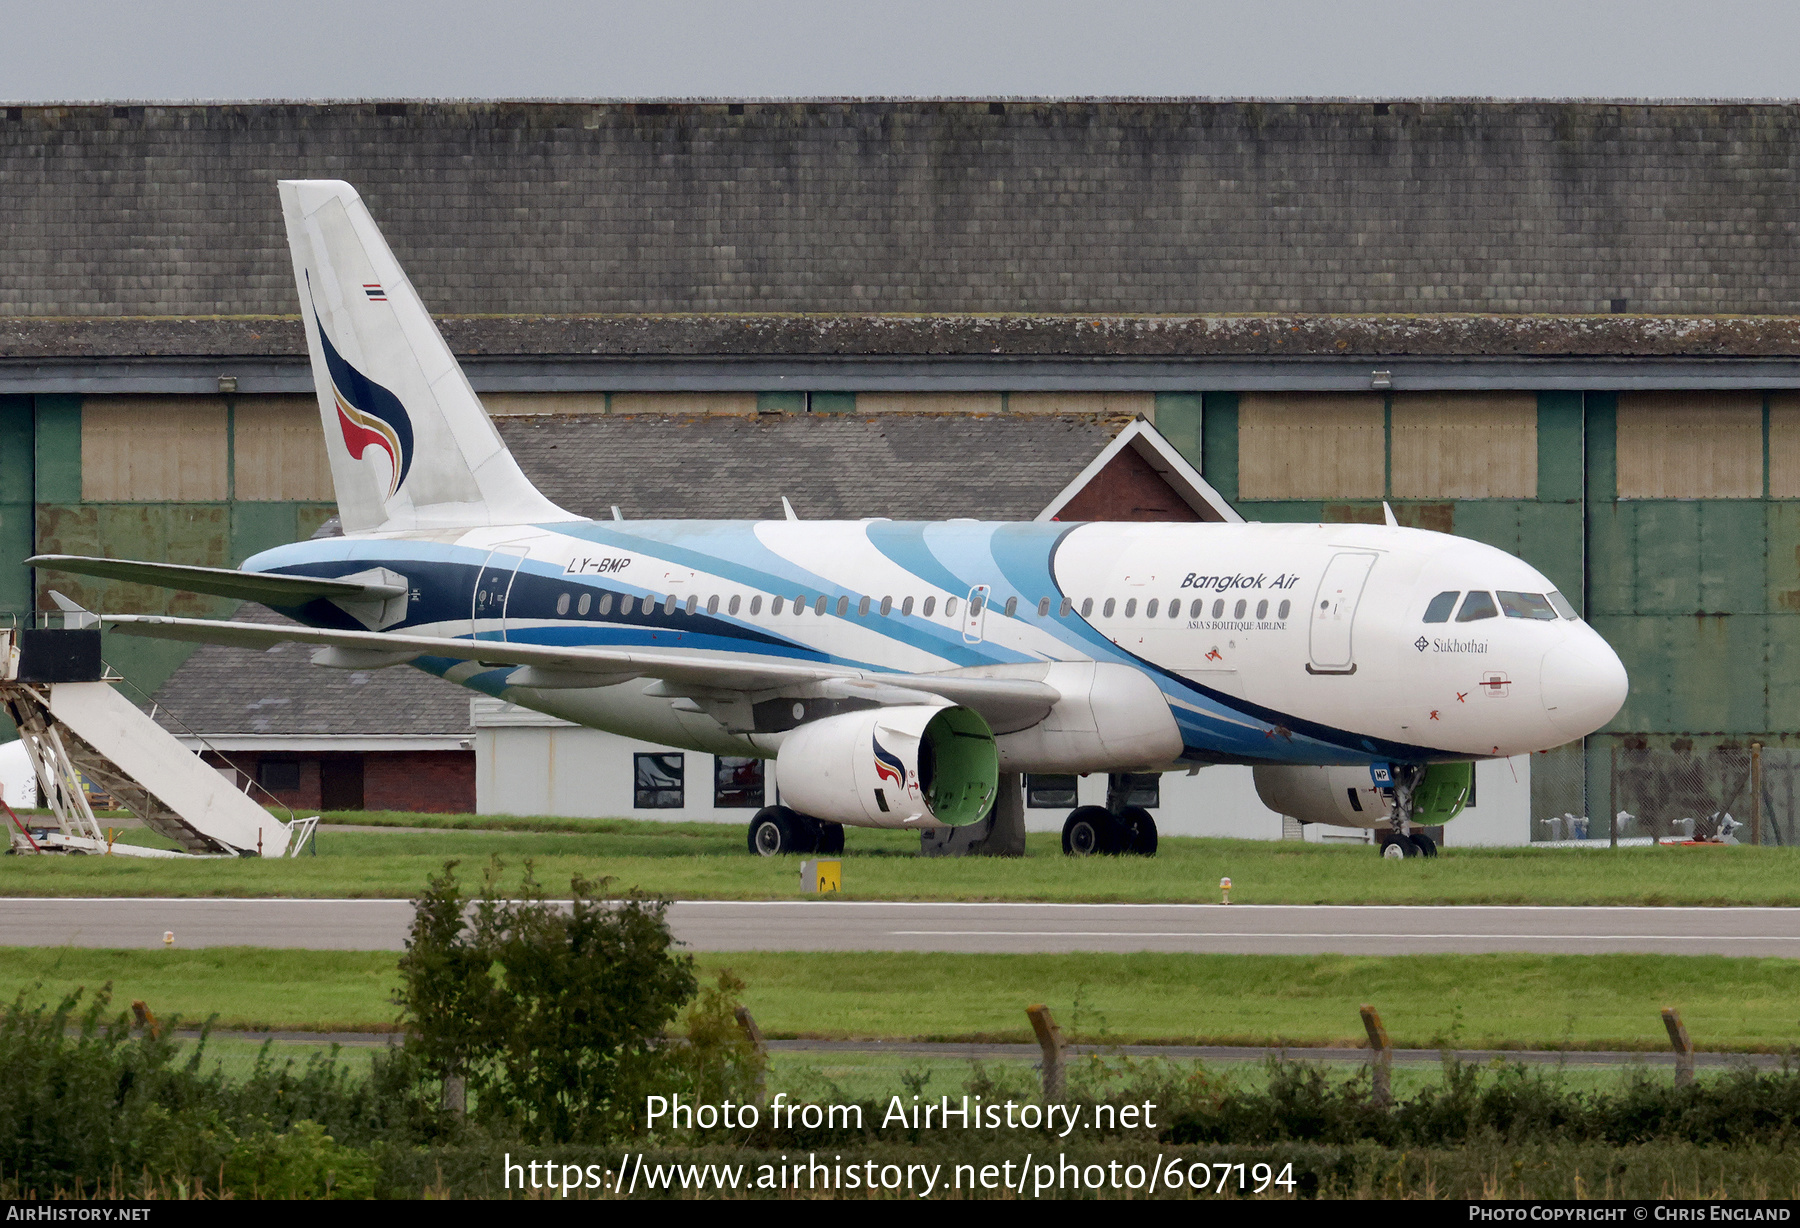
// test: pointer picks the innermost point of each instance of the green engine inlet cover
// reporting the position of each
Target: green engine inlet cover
(965, 767)
(1443, 793)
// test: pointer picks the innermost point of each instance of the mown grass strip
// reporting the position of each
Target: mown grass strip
(1472, 1001)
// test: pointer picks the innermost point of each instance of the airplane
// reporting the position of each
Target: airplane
(900, 674)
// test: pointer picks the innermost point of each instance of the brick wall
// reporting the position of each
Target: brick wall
(922, 206)
(441, 782)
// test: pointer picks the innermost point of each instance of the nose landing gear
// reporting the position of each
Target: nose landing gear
(1403, 839)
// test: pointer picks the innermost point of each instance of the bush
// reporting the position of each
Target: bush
(552, 1016)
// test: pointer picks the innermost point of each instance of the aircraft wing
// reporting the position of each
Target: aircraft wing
(267, 587)
(1007, 703)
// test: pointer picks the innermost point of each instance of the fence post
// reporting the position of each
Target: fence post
(1756, 793)
(754, 1035)
(1684, 1048)
(1381, 1057)
(146, 1019)
(1050, 1040)
(1612, 797)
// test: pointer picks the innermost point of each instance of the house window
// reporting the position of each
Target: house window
(657, 781)
(278, 775)
(1049, 792)
(737, 783)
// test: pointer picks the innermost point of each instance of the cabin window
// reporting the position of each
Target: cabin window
(819, 605)
(1477, 605)
(1175, 608)
(1044, 607)
(627, 603)
(1237, 611)
(1219, 608)
(1150, 608)
(887, 606)
(800, 605)
(1283, 611)
(949, 607)
(906, 607)
(585, 604)
(1131, 608)
(1526, 605)
(738, 783)
(605, 604)
(562, 604)
(1441, 605)
(1047, 792)
(693, 602)
(1561, 603)
(843, 608)
(862, 608)
(1087, 607)
(1106, 611)
(669, 604)
(1262, 609)
(755, 604)
(776, 605)
(712, 604)
(657, 781)
(731, 607)
(1012, 606)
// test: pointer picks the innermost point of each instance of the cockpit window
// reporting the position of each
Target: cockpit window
(1441, 605)
(1561, 605)
(1475, 606)
(1526, 605)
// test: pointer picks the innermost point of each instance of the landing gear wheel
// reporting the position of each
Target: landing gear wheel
(1090, 831)
(831, 839)
(1397, 846)
(1139, 831)
(776, 830)
(1424, 844)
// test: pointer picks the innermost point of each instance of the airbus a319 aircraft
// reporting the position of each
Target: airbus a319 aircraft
(897, 672)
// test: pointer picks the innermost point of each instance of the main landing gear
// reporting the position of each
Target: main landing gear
(1095, 830)
(779, 829)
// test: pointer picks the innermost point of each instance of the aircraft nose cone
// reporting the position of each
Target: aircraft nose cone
(1584, 686)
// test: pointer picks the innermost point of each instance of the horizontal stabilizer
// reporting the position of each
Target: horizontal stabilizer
(267, 587)
(1008, 698)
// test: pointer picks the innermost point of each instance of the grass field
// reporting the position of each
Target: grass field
(1478, 1001)
(708, 861)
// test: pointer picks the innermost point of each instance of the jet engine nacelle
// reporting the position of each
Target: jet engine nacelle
(1338, 796)
(908, 766)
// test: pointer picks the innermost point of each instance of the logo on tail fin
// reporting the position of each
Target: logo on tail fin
(368, 414)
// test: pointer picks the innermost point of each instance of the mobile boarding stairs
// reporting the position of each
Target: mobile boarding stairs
(74, 724)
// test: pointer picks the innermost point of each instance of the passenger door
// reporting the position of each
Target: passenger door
(1334, 613)
(493, 586)
(975, 614)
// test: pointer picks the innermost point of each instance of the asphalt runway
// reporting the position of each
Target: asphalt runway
(841, 925)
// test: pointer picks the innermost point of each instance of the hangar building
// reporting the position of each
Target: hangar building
(1564, 328)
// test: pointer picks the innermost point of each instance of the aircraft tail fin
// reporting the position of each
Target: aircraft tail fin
(410, 445)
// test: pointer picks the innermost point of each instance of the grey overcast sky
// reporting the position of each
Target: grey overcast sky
(238, 49)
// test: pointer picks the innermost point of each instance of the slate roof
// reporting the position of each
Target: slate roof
(830, 466)
(223, 690)
(854, 206)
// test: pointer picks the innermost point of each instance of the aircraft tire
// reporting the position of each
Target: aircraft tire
(1396, 846)
(1138, 829)
(777, 830)
(1426, 846)
(831, 838)
(1091, 831)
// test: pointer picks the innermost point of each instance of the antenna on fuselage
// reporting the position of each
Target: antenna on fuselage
(1387, 514)
(788, 508)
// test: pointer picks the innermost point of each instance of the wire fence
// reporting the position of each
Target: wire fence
(1679, 788)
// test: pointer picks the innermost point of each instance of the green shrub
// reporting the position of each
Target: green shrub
(552, 1015)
